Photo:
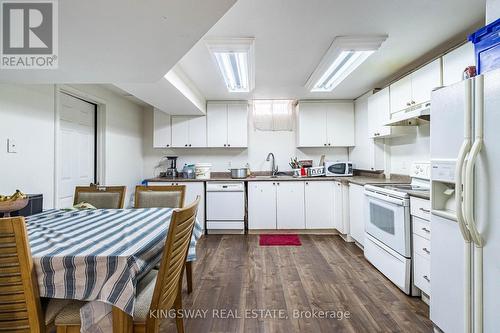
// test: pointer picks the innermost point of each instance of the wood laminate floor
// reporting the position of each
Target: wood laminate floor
(236, 280)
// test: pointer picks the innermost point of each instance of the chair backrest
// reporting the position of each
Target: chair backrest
(169, 279)
(104, 197)
(20, 309)
(159, 196)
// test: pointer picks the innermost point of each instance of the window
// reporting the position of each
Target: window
(273, 115)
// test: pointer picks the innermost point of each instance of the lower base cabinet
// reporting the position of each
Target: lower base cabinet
(290, 205)
(276, 205)
(356, 212)
(193, 189)
(319, 204)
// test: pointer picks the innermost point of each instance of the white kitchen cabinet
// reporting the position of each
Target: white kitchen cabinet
(189, 132)
(162, 129)
(356, 212)
(325, 124)
(340, 124)
(193, 189)
(341, 208)
(237, 125)
(227, 125)
(400, 94)
(319, 204)
(216, 125)
(290, 205)
(338, 207)
(379, 106)
(424, 80)
(311, 124)
(456, 61)
(261, 205)
(416, 87)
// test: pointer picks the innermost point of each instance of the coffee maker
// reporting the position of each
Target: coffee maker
(172, 167)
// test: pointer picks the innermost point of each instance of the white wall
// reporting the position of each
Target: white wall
(406, 149)
(27, 115)
(282, 144)
(492, 10)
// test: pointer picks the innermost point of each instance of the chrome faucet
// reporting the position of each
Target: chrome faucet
(274, 169)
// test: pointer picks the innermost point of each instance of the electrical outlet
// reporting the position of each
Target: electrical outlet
(11, 146)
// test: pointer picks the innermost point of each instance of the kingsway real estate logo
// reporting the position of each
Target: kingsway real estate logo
(28, 34)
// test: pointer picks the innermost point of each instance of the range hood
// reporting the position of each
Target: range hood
(411, 116)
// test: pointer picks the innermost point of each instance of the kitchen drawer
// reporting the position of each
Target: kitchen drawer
(422, 246)
(422, 274)
(421, 208)
(421, 227)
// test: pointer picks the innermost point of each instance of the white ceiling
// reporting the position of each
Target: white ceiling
(293, 35)
(102, 41)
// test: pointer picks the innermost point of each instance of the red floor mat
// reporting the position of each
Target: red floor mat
(279, 240)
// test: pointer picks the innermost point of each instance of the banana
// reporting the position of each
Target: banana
(16, 196)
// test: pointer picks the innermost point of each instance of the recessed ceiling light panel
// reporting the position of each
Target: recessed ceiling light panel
(342, 58)
(234, 58)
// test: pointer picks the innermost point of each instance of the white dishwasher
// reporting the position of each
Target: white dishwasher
(225, 207)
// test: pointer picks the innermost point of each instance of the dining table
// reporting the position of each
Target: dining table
(98, 256)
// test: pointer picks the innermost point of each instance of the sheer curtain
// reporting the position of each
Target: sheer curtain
(273, 115)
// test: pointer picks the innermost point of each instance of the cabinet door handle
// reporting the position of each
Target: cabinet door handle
(427, 211)
(329, 144)
(189, 145)
(307, 183)
(324, 144)
(224, 145)
(185, 145)
(426, 250)
(168, 145)
(229, 145)
(426, 230)
(274, 183)
(426, 278)
(408, 103)
(412, 102)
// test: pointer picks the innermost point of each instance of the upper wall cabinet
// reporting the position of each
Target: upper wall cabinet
(455, 62)
(325, 124)
(162, 134)
(415, 88)
(379, 106)
(227, 125)
(189, 132)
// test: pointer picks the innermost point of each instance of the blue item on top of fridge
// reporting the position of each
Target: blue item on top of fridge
(487, 47)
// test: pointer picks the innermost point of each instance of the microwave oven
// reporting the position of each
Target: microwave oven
(338, 168)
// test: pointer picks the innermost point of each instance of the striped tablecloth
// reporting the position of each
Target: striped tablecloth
(98, 254)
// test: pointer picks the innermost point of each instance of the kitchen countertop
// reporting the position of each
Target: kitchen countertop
(359, 180)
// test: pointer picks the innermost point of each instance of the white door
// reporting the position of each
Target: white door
(76, 147)
(290, 205)
(424, 80)
(237, 125)
(400, 93)
(162, 132)
(338, 207)
(262, 205)
(198, 132)
(319, 205)
(340, 124)
(356, 212)
(217, 125)
(180, 131)
(312, 125)
(455, 62)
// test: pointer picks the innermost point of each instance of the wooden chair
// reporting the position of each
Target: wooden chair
(104, 197)
(20, 306)
(164, 196)
(159, 196)
(158, 290)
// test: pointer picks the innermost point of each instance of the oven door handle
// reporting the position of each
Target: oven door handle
(386, 198)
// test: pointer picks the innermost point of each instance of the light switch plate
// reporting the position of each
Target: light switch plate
(11, 146)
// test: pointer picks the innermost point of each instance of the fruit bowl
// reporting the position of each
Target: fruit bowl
(6, 207)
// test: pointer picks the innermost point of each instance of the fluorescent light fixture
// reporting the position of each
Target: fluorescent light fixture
(235, 60)
(342, 58)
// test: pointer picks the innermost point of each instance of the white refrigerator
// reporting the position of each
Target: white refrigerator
(465, 196)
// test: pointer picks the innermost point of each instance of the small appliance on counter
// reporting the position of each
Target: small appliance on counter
(188, 172)
(338, 169)
(172, 167)
(316, 171)
(203, 170)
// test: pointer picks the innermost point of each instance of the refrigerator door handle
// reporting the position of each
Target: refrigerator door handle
(459, 189)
